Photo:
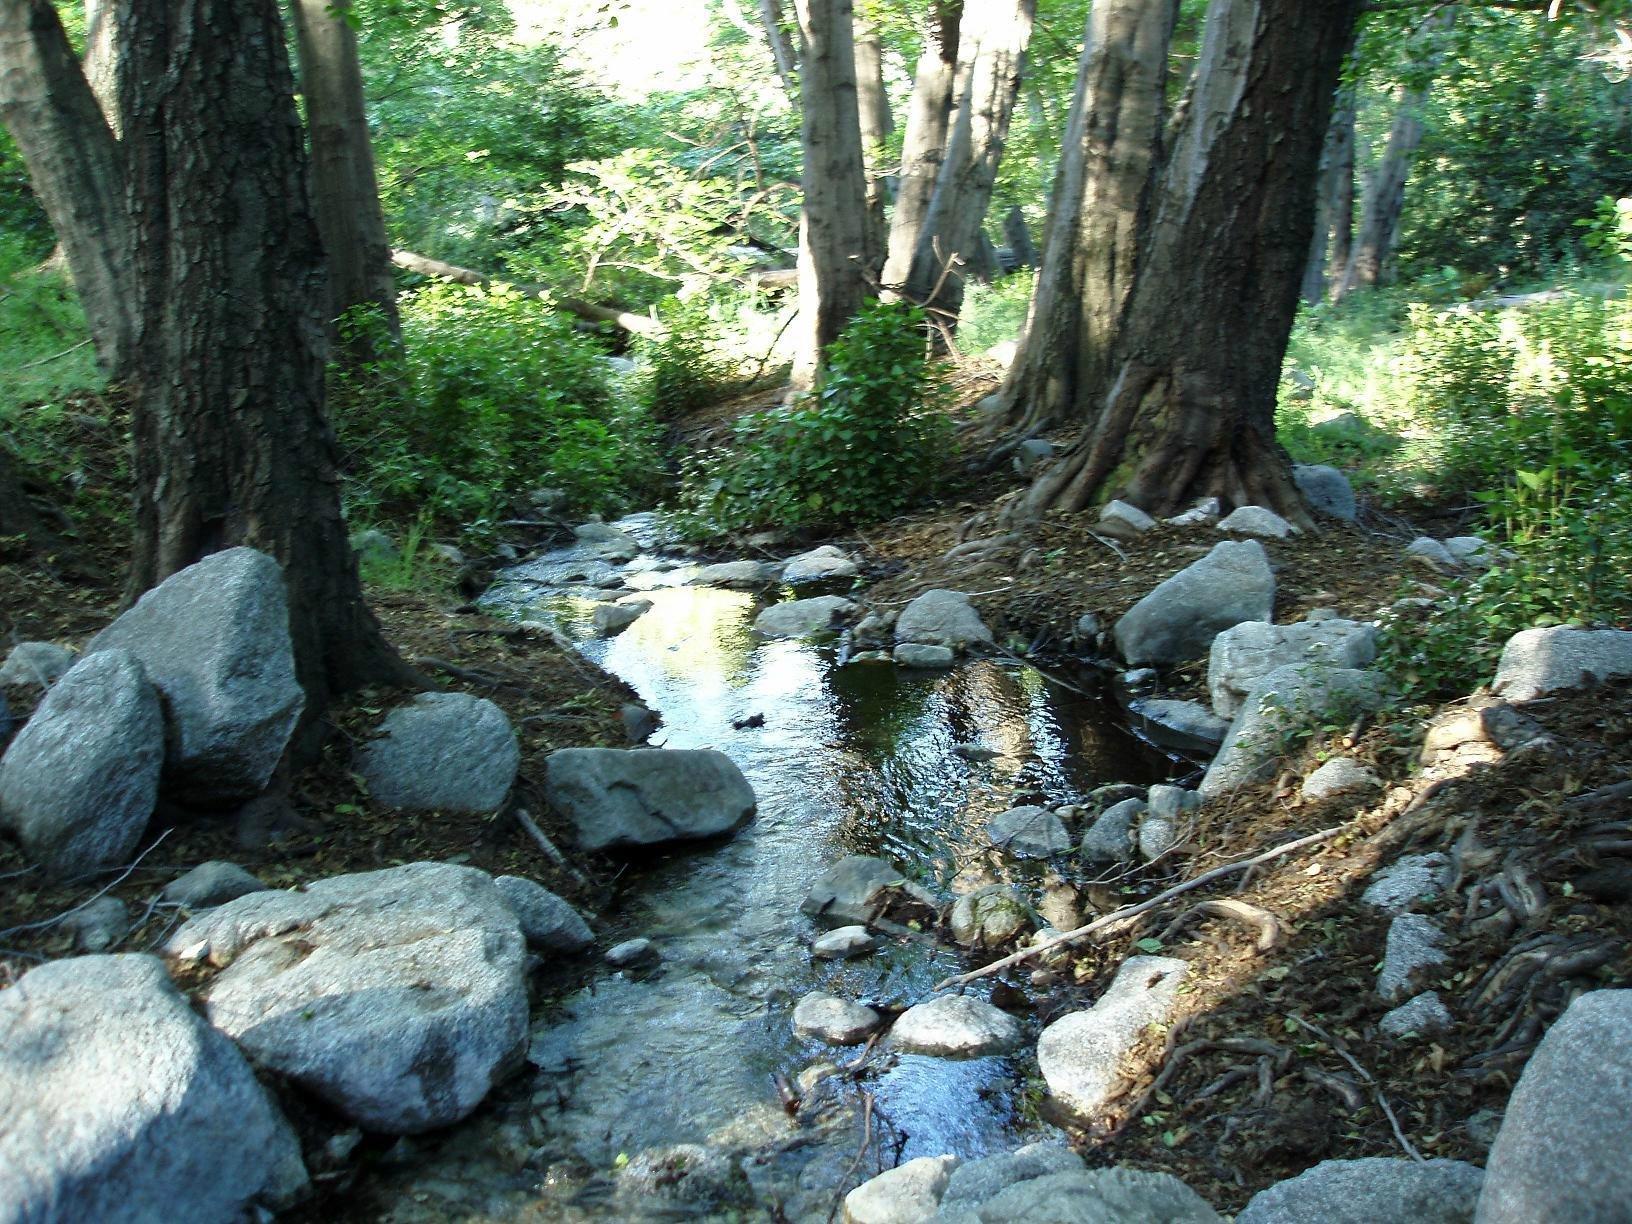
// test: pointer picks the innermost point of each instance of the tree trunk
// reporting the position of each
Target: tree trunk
(1102, 201)
(1190, 409)
(833, 223)
(993, 47)
(1334, 197)
(1385, 198)
(770, 15)
(345, 192)
(74, 164)
(1018, 235)
(101, 59)
(231, 442)
(876, 125)
(929, 114)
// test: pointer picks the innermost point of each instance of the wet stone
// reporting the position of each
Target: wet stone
(956, 1026)
(820, 1016)
(843, 943)
(632, 953)
(1029, 832)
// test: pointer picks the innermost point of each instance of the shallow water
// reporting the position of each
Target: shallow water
(849, 759)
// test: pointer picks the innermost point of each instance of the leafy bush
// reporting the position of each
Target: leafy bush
(684, 367)
(995, 312)
(497, 395)
(864, 445)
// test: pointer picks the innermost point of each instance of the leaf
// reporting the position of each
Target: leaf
(1151, 945)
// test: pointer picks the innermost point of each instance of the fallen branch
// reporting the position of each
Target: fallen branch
(638, 323)
(526, 821)
(29, 365)
(1129, 912)
(66, 914)
(1376, 1088)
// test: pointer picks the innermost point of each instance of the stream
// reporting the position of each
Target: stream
(849, 759)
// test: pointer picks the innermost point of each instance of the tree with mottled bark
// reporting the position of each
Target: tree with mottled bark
(873, 107)
(923, 141)
(1334, 202)
(1188, 408)
(1102, 203)
(833, 280)
(232, 445)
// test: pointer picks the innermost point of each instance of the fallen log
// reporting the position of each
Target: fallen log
(640, 324)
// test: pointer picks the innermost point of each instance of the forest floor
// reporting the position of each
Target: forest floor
(1240, 1092)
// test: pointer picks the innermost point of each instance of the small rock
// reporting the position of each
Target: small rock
(975, 752)
(643, 797)
(98, 926)
(37, 663)
(1257, 521)
(1139, 677)
(1204, 513)
(1432, 553)
(913, 654)
(838, 1021)
(906, 1194)
(1472, 551)
(1406, 882)
(442, 752)
(824, 564)
(1540, 661)
(1029, 832)
(547, 922)
(1326, 490)
(1414, 943)
(942, 618)
(1178, 620)
(873, 631)
(1339, 776)
(803, 618)
(843, 943)
(611, 619)
(1110, 839)
(956, 1026)
(1371, 1190)
(1081, 1054)
(632, 953)
(1159, 828)
(212, 883)
(740, 575)
(1424, 1015)
(1032, 452)
(449, 553)
(694, 1179)
(1087, 626)
(1185, 725)
(639, 723)
(1102, 798)
(852, 890)
(1121, 519)
(1244, 654)
(989, 917)
(602, 535)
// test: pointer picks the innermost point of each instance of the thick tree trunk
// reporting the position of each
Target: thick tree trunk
(993, 47)
(1334, 198)
(1190, 409)
(923, 146)
(1103, 197)
(833, 223)
(74, 164)
(231, 442)
(1385, 198)
(345, 192)
(101, 59)
(876, 125)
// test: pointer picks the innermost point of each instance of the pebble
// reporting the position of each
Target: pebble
(843, 943)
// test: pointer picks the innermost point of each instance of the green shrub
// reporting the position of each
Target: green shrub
(684, 367)
(496, 395)
(865, 445)
(995, 312)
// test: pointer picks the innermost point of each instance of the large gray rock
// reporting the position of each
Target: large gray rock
(854, 889)
(398, 996)
(978, 1181)
(1186, 725)
(1096, 1196)
(956, 1026)
(36, 663)
(1123, 520)
(1244, 654)
(97, 925)
(1178, 620)
(1326, 490)
(214, 640)
(449, 752)
(906, 1194)
(824, 564)
(1372, 1190)
(1339, 776)
(1257, 521)
(1286, 701)
(1028, 832)
(1081, 1054)
(632, 797)
(117, 1102)
(820, 1016)
(742, 575)
(942, 618)
(1424, 1015)
(1110, 839)
(611, 619)
(803, 618)
(1561, 1155)
(547, 922)
(1540, 661)
(78, 783)
(915, 654)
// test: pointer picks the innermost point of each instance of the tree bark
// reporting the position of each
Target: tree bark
(1190, 406)
(1384, 198)
(1018, 235)
(232, 445)
(833, 222)
(74, 164)
(993, 47)
(770, 16)
(1334, 199)
(345, 191)
(1102, 203)
(101, 59)
(876, 125)
(929, 115)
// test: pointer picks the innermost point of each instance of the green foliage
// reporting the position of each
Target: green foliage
(685, 367)
(864, 445)
(497, 395)
(996, 312)
(1609, 229)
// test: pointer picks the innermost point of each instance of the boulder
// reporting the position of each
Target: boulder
(1081, 1054)
(607, 541)
(442, 752)
(989, 917)
(824, 564)
(98, 925)
(1339, 776)
(1371, 1190)
(1326, 489)
(803, 618)
(397, 996)
(1560, 1156)
(120, 1103)
(1178, 620)
(976, 1182)
(740, 575)
(78, 783)
(1028, 832)
(1432, 553)
(1280, 705)
(912, 654)
(1088, 627)
(214, 640)
(855, 889)
(843, 943)
(1473, 552)
(618, 798)
(547, 922)
(1205, 513)
(956, 1026)
(36, 663)
(1540, 661)
(611, 619)
(1096, 1196)
(820, 1016)
(373, 546)
(1110, 839)
(1414, 943)
(942, 618)
(906, 1194)
(1407, 881)
(1257, 521)
(1186, 725)
(212, 883)
(1244, 654)
(1424, 1015)
(1124, 521)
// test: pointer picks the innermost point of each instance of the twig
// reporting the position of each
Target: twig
(1109, 544)
(1365, 1075)
(29, 365)
(1127, 912)
(66, 914)
(525, 820)
(861, 1153)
